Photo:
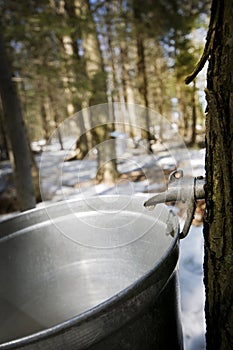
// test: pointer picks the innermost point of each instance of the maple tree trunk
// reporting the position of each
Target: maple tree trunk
(218, 229)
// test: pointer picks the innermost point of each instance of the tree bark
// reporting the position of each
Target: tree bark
(15, 128)
(194, 114)
(218, 229)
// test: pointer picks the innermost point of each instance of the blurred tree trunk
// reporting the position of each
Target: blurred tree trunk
(194, 114)
(95, 79)
(35, 175)
(74, 89)
(124, 74)
(218, 228)
(45, 122)
(82, 144)
(15, 128)
(126, 86)
(125, 46)
(56, 118)
(186, 120)
(142, 76)
(105, 145)
(111, 14)
(94, 63)
(161, 101)
(107, 166)
(3, 139)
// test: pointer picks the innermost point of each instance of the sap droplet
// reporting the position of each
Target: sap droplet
(150, 207)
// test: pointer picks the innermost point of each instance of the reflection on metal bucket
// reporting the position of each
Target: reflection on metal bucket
(96, 274)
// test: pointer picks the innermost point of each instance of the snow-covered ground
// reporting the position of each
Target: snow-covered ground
(61, 180)
(192, 289)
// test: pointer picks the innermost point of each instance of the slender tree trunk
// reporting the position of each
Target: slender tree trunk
(3, 139)
(185, 119)
(16, 132)
(82, 143)
(44, 120)
(56, 119)
(35, 175)
(194, 114)
(105, 144)
(143, 88)
(219, 171)
(125, 78)
(142, 76)
(161, 102)
(110, 14)
(107, 166)
(124, 74)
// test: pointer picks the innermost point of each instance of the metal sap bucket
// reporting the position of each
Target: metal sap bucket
(93, 274)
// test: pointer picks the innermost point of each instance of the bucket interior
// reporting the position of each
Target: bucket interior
(59, 262)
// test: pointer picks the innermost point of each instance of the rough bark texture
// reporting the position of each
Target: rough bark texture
(219, 171)
(16, 132)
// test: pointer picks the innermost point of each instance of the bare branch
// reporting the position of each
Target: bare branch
(208, 46)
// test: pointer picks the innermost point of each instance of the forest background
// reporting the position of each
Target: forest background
(66, 56)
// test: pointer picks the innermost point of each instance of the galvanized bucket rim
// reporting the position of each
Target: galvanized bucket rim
(102, 307)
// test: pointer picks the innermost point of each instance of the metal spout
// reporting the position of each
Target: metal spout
(171, 195)
(187, 190)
